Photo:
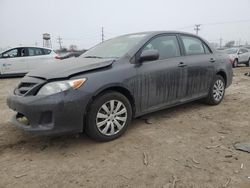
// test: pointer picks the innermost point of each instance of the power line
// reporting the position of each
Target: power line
(197, 28)
(59, 41)
(227, 22)
(217, 23)
(102, 34)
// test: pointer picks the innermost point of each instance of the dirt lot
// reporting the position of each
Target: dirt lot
(185, 146)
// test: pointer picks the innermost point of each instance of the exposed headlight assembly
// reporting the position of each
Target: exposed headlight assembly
(59, 86)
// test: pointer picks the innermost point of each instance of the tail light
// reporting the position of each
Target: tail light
(57, 57)
(231, 60)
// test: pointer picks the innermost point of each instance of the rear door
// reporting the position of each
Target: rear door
(200, 66)
(14, 61)
(38, 58)
(161, 82)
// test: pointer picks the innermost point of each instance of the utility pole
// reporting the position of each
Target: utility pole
(59, 41)
(197, 28)
(102, 34)
(221, 42)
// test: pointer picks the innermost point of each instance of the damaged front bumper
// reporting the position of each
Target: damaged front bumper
(56, 114)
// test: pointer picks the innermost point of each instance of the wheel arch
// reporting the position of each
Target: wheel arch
(117, 88)
(223, 75)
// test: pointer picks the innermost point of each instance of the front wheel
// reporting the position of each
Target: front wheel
(216, 91)
(109, 116)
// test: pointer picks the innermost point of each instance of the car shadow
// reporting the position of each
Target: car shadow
(34, 143)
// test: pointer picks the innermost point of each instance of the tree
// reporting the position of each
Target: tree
(230, 44)
(72, 48)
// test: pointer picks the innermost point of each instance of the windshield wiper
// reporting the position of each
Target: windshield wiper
(92, 56)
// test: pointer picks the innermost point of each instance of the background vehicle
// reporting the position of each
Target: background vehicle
(21, 60)
(248, 47)
(239, 56)
(71, 54)
(121, 78)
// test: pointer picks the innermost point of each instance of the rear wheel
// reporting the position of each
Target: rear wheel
(217, 91)
(109, 116)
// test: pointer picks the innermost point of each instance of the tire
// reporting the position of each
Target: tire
(248, 63)
(216, 91)
(235, 63)
(112, 122)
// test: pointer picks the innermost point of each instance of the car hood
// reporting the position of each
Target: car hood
(68, 67)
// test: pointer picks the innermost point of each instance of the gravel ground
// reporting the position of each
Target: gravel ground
(186, 146)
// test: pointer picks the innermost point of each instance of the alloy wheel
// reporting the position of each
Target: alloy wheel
(218, 90)
(111, 117)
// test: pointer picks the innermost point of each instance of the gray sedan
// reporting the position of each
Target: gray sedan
(120, 79)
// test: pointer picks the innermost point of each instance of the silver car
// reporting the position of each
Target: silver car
(239, 56)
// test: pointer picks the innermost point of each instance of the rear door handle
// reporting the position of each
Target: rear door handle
(212, 60)
(181, 64)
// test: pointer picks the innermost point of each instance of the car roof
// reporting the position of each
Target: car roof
(29, 47)
(160, 32)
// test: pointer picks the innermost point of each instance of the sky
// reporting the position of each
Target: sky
(79, 22)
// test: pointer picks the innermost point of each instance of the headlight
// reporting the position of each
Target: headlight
(56, 87)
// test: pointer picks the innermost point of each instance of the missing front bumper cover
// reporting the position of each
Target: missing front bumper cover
(22, 119)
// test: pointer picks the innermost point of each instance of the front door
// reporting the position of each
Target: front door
(161, 82)
(243, 55)
(14, 61)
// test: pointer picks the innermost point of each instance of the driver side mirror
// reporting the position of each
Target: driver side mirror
(149, 55)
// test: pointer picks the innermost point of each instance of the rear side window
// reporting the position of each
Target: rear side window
(46, 51)
(38, 51)
(167, 46)
(207, 50)
(35, 51)
(193, 46)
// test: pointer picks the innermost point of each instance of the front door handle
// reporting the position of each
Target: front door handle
(212, 60)
(6, 64)
(181, 64)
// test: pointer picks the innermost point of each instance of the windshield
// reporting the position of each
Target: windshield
(114, 48)
(231, 51)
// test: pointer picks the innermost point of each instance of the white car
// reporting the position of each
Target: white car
(21, 60)
(239, 56)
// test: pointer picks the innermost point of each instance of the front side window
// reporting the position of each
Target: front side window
(231, 50)
(192, 45)
(167, 46)
(243, 50)
(11, 53)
